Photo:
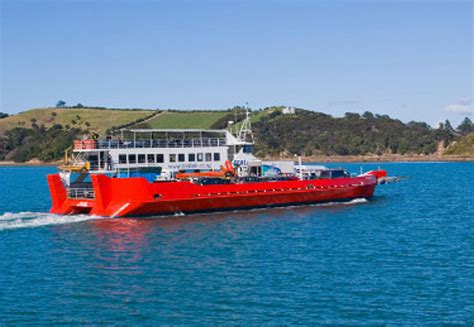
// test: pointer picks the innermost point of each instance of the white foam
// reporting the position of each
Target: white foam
(12, 220)
(358, 200)
(354, 201)
(328, 204)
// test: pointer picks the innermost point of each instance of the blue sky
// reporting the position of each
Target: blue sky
(412, 60)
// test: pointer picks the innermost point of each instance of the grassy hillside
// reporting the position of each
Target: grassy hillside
(183, 119)
(44, 133)
(255, 117)
(463, 147)
(97, 120)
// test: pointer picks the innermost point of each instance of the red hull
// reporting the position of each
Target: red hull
(117, 197)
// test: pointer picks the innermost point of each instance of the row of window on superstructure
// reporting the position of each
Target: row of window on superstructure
(173, 157)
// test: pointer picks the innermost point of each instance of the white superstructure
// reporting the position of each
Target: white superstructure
(173, 150)
(169, 151)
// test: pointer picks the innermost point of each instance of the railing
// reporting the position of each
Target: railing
(191, 143)
(85, 144)
(80, 193)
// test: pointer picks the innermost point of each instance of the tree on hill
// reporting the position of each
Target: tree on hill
(351, 115)
(448, 127)
(3, 115)
(445, 133)
(23, 144)
(60, 104)
(237, 108)
(368, 115)
(466, 126)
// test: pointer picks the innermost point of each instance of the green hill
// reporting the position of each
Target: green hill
(215, 119)
(102, 120)
(183, 119)
(94, 120)
(45, 133)
(463, 147)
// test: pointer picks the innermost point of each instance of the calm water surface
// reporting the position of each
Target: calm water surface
(404, 257)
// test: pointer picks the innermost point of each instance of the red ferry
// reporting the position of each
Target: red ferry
(117, 197)
(163, 172)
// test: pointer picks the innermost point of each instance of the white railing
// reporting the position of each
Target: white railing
(80, 193)
(191, 143)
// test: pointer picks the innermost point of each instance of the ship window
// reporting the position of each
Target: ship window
(132, 158)
(141, 158)
(208, 156)
(94, 161)
(181, 157)
(325, 174)
(159, 158)
(173, 157)
(248, 148)
(217, 156)
(200, 156)
(151, 158)
(338, 174)
(122, 158)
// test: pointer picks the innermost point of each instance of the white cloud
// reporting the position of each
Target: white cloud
(463, 107)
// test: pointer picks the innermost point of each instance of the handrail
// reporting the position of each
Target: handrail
(80, 193)
(190, 143)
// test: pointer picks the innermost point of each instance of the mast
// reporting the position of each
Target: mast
(245, 133)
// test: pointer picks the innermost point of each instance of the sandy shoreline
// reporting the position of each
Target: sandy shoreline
(322, 159)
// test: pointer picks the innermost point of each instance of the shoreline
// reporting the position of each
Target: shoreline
(389, 158)
(318, 159)
(28, 164)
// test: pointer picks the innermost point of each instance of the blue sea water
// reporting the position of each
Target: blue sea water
(405, 257)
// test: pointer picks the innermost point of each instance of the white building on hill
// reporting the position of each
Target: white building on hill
(288, 111)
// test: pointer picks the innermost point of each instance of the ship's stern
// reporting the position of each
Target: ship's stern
(102, 196)
(70, 200)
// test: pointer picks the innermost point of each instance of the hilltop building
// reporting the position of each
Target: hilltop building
(288, 111)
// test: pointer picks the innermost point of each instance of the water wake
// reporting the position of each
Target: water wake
(354, 201)
(12, 220)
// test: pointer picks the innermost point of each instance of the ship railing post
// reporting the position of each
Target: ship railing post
(300, 168)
